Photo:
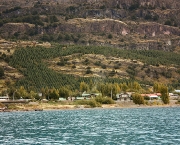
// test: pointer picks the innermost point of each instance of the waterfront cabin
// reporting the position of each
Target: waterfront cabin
(151, 96)
(123, 97)
(4, 98)
(87, 96)
(173, 96)
(177, 91)
(62, 99)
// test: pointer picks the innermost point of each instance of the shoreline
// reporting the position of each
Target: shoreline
(83, 107)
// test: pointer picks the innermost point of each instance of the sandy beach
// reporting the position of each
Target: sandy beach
(42, 106)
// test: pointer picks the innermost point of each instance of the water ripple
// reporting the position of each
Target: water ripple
(97, 126)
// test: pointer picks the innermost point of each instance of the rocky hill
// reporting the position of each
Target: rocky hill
(139, 24)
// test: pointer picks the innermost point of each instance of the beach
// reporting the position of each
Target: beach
(42, 106)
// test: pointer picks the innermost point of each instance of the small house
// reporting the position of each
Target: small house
(87, 96)
(173, 96)
(123, 97)
(4, 98)
(177, 91)
(62, 99)
(151, 96)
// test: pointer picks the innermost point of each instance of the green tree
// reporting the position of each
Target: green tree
(116, 89)
(164, 94)
(84, 87)
(64, 92)
(1, 72)
(168, 22)
(110, 36)
(22, 92)
(124, 87)
(53, 95)
(157, 87)
(101, 88)
(32, 95)
(138, 99)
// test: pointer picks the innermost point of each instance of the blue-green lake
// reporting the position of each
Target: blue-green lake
(144, 126)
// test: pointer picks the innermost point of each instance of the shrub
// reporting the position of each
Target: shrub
(99, 99)
(138, 99)
(146, 98)
(91, 103)
(178, 102)
(168, 22)
(61, 63)
(1, 72)
(148, 17)
(73, 66)
(110, 36)
(104, 100)
(88, 71)
(102, 7)
(134, 6)
(97, 63)
(116, 67)
(103, 66)
(107, 100)
(2, 105)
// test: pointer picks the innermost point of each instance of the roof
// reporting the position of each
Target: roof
(150, 95)
(4, 97)
(90, 94)
(62, 99)
(177, 91)
(84, 95)
(81, 98)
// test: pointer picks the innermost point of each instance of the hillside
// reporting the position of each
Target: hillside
(126, 40)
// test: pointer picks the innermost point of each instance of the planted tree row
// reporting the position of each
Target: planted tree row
(30, 62)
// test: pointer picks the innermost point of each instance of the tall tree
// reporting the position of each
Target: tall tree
(64, 92)
(164, 94)
(1, 72)
(84, 87)
(54, 94)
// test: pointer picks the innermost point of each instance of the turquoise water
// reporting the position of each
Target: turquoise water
(92, 126)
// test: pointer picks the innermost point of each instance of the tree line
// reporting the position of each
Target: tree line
(30, 62)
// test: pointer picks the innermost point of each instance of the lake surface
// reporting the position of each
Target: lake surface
(92, 126)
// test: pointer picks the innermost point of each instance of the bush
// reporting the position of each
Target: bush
(148, 17)
(2, 105)
(134, 6)
(146, 98)
(91, 103)
(73, 66)
(97, 63)
(138, 99)
(104, 100)
(168, 22)
(110, 36)
(178, 102)
(1, 72)
(88, 71)
(108, 100)
(103, 66)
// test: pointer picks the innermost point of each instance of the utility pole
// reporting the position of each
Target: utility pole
(14, 94)
(111, 93)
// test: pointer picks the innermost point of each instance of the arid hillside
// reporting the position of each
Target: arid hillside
(127, 24)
